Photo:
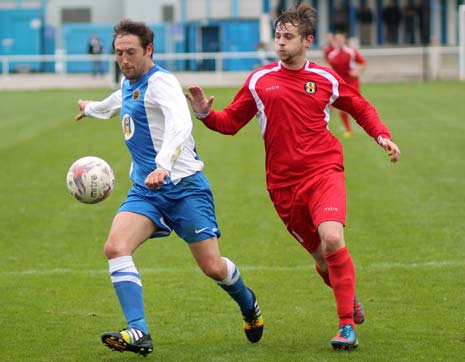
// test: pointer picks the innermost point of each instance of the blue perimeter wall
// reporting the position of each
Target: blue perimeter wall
(233, 36)
(22, 32)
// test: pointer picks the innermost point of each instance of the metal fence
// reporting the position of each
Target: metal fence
(384, 64)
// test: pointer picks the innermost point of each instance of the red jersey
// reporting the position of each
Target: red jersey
(326, 50)
(293, 111)
(343, 60)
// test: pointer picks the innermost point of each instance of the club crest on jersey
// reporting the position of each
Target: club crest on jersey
(128, 127)
(136, 94)
(310, 87)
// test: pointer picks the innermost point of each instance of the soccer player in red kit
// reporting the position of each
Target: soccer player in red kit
(291, 99)
(349, 64)
(328, 47)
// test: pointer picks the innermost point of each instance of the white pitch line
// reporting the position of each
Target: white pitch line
(378, 266)
(428, 264)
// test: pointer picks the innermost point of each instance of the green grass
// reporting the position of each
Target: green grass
(404, 229)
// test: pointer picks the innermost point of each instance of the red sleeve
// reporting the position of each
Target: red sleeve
(359, 58)
(352, 102)
(235, 116)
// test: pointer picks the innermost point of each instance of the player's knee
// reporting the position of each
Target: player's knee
(214, 270)
(113, 248)
(332, 241)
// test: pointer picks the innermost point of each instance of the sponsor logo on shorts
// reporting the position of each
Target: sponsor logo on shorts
(198, 231)
(298, 237)
(331, 209)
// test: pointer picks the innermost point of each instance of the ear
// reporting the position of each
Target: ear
(150, 49)
(309, 41)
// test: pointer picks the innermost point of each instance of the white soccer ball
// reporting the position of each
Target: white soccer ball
(90, 179)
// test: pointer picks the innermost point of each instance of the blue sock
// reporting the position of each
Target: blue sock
(235, 287)
(128, 288)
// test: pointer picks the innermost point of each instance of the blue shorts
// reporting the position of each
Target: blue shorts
(187, 208)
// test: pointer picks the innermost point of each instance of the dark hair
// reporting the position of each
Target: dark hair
(302, 17)
(129, 27)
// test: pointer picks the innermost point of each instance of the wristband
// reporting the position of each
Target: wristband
(202, 115)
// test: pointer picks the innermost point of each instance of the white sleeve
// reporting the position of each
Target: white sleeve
(106, 108)
(168, 94)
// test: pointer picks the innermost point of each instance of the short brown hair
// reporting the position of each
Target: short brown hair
(302, 17)
(129, 27)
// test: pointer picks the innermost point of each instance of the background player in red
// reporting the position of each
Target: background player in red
(291, 99)
(349, 64)
(328, 47)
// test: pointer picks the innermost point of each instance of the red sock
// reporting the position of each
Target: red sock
(324, 276)
(346, 121)
(342, 276)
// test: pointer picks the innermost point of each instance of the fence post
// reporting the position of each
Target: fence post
(60, 64)
(219, 62)
(5, 67)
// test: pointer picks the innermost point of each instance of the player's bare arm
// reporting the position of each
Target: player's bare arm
(391, 148)
(198, 100)
(82, 105)
(356, 72)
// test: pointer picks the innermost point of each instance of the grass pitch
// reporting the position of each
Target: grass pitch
(404, 229)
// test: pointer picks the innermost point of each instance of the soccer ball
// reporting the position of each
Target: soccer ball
(90, 180)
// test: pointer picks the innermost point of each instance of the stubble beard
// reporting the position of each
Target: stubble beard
(284, 57)
(287, 59)
(130, 74)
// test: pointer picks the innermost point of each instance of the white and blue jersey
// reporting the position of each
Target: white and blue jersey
(157, 126)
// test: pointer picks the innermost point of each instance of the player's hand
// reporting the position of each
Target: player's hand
(156, 178)
(354, 72)
(82, 105)
(391, 148)
(198, 100)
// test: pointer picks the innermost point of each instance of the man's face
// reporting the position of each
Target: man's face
(133, 60)
(289, 44)
(340, 40)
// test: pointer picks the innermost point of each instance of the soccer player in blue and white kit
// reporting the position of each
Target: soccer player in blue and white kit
(169, 190)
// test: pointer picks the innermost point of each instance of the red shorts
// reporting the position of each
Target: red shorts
(305, 206)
